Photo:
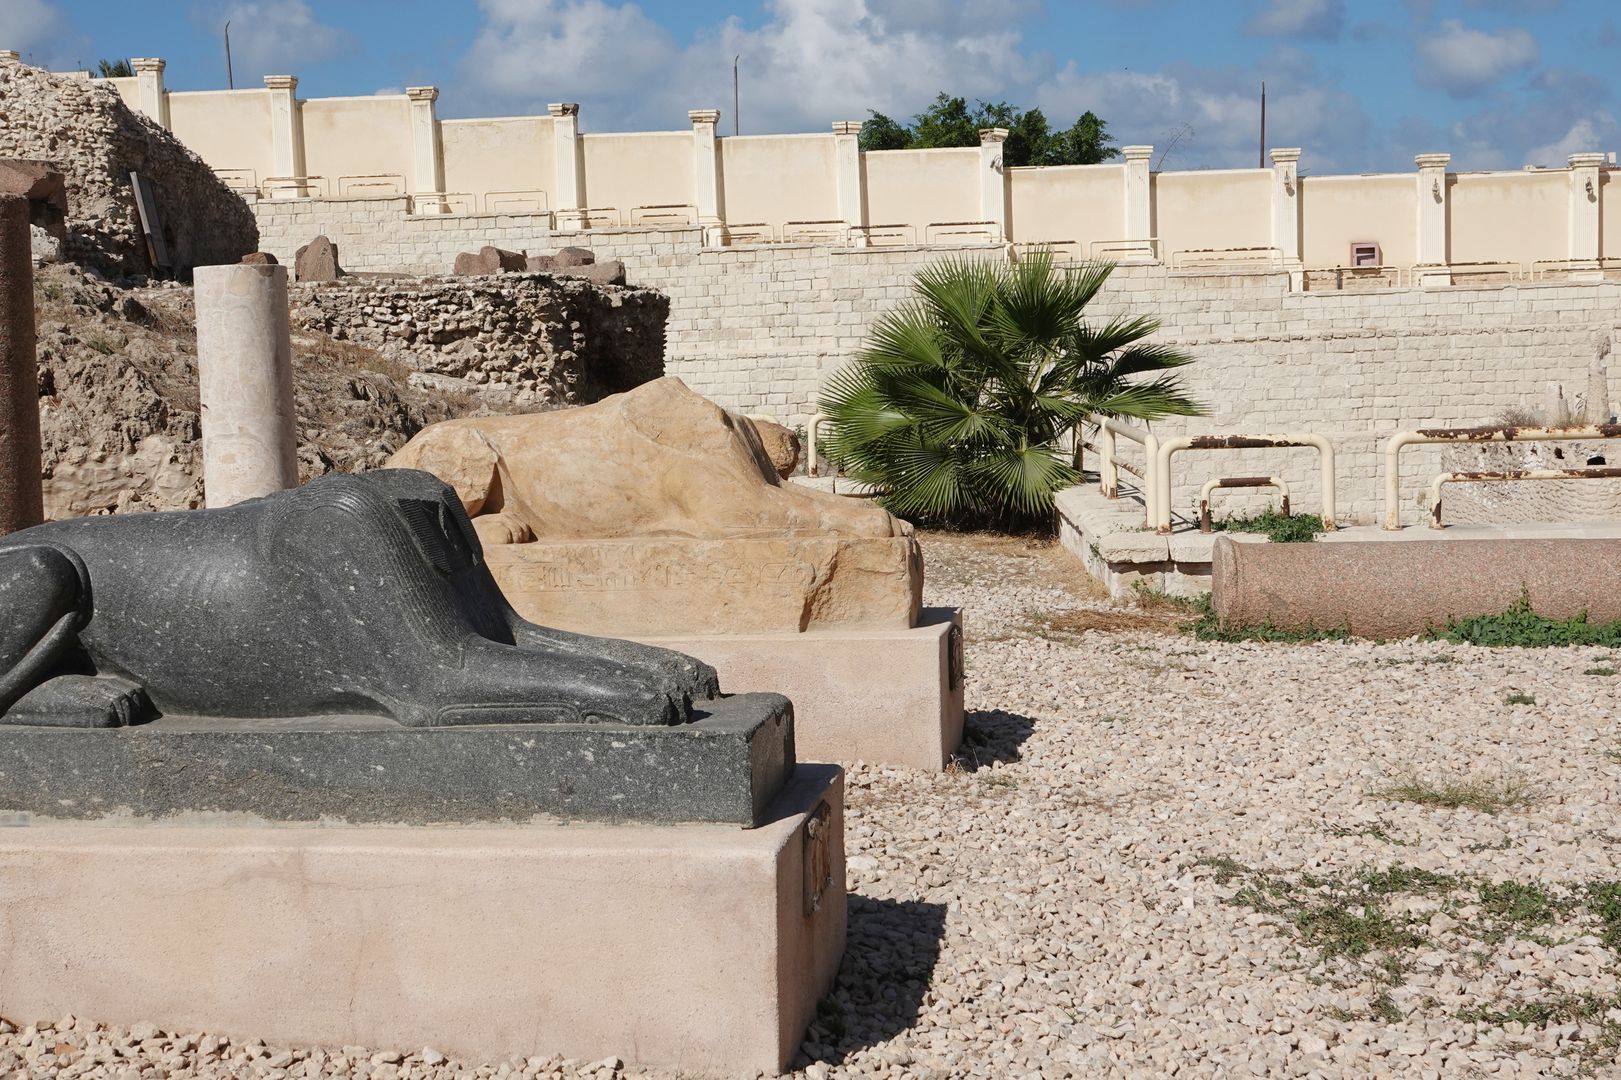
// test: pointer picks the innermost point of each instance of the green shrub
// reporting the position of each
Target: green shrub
(955, 406)
(1294, 529)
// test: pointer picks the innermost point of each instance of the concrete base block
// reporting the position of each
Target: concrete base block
(693, 947)
(891, 697)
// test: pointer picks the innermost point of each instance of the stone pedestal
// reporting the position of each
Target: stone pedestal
(691, 947)
(245, 382)
(21, 500)
(883, 696)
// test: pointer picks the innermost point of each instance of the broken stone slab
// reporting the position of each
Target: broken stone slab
(317, 261)
(539, 264)
(611, 272)
(781, 445)
(574, 256)
(260, 258)
(727, 765)
(671, 585)
(490, 260)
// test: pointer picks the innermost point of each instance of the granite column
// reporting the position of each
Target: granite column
(245, 383)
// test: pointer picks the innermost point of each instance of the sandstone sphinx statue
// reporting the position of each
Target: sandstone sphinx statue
(353, 595)
(656, 511)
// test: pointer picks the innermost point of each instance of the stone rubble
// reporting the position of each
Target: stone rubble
(526, 341)
(1040, 910)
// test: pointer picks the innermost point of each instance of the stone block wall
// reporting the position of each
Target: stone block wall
(760, 328)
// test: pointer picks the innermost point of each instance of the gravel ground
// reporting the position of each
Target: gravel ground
(1165, 857)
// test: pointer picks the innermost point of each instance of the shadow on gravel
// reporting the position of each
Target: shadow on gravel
(889, 959)
(992, 735)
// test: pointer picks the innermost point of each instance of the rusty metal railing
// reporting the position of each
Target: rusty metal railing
(1210, 487)
(1590, 473)
(1503, 434)
(811, 429)
(1161, 506)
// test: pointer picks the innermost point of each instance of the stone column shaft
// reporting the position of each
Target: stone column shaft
(286, 135)
(427, 158)
(21, 497)
(566, 149)
(245, 382)
(1433, 219)
(847, 179)
(1584, 209)
(706, 173)
(1286, 211)
(153, 100)
(993, 178)
(1139, 223)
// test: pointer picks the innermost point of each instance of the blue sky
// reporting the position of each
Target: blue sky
(1362, 85)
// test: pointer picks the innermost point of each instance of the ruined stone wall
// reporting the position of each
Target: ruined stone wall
(759, 329)
(87, 131)
(525, 341)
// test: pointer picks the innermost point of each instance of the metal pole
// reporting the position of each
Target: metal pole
(1262, 164)
(230, 79)
(735, 119)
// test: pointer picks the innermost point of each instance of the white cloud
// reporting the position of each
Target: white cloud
(1322, 19)
(39, 31)
(1587, 134)
(810, 62)
(1463, 61)
(273, 37)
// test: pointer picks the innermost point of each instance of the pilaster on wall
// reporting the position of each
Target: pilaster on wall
(149, 89)
(1286, 211)
(706, 175)
(1434, 220)
(427, 158)
(1139, 223)
(847, 177)
(993, 178)
(570, 162)
(286, 137)
(1585, 239)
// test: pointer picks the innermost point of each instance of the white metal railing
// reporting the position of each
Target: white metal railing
(295, 187)
(1336, 277)
(955, 232)
(898, 235)
(821, 230)
(589, 217)
(371, 186)
(1110, 465)
(811, 430)
(429, 203)
(1161, 508)
(1148, 250)
(1500, 434)
(663, 215)
(1231, 482)
(524, 201)
(1246, 258)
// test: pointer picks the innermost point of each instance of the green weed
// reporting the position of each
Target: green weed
(1486, 795)
(1294, 529)
(1520, 627)
(1518, 698)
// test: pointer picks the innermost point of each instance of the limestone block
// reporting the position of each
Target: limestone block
(259, 258)
(657, 511)
(781, 445)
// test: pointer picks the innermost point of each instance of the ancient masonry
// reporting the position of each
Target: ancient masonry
(86, 131)
(759, 329)
(523, 341)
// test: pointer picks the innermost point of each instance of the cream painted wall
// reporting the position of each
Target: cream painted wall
(1337, 211)
(778, 178)
(229, 129)
(1083, 203)
(1509, 217)
(920, 187)
(506, 155)
(358, 136)
(1229, 208)
(648, 168)
(128, 89)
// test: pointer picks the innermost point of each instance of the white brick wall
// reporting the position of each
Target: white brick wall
(758, 329)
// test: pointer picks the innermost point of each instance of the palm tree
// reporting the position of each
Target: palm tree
(115, 69)
(956, 404)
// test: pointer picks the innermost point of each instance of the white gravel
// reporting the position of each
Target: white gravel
(1043, 911)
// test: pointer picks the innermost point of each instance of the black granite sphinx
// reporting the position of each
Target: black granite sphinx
(341, 650)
